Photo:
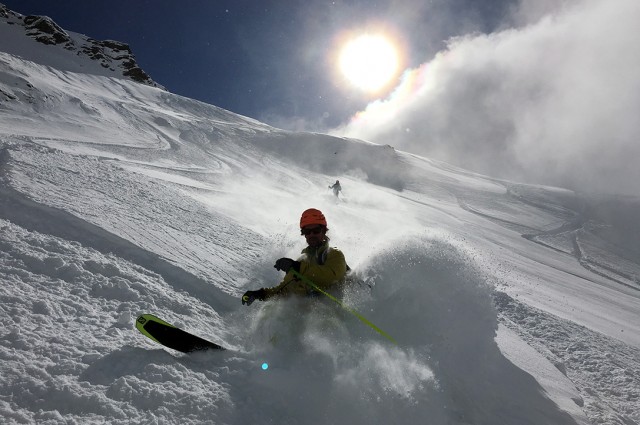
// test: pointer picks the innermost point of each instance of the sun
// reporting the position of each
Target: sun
(369, 61)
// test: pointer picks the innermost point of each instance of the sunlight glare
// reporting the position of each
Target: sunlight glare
(369, 62)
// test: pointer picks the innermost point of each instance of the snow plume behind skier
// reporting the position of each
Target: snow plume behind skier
(325, 266)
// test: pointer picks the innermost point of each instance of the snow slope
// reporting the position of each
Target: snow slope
(511, 304)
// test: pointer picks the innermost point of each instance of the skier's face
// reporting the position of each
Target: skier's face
(314, 235)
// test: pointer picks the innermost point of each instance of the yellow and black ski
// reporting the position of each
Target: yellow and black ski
(170, 336)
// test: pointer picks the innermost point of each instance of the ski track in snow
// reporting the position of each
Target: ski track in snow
(118, 199)
(578, 353)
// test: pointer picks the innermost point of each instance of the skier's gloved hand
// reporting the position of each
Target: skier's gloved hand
(250, 296)
(286, 264)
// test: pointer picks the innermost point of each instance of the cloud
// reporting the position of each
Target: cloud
(553, 102)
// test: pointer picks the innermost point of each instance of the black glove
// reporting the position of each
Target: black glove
(250, 296)
(286, 264)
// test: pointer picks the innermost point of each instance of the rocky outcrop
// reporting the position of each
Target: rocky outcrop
(44, 30)
(112, 55)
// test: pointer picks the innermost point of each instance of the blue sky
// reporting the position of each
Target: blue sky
(267, 59)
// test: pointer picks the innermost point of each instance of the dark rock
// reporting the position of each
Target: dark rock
(110, 54)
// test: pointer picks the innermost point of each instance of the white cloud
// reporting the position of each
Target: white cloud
(553, 102)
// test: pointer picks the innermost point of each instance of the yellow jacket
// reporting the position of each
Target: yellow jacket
(324, 266)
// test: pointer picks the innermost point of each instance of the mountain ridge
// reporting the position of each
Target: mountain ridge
(113, 58)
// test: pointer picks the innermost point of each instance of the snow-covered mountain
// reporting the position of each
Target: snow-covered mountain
(511, 303)
(39, 39)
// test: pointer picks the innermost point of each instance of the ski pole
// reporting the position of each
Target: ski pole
(341, 304)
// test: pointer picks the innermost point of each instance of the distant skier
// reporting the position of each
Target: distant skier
(323, 265)
(336, 188)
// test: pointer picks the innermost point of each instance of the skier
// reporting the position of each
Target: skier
(323, 265)
(336, 188)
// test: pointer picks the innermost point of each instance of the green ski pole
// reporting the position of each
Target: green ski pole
(350, 310)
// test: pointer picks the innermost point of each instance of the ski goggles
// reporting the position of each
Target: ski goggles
(312, 230)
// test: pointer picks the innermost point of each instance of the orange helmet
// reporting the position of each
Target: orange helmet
(312, 216)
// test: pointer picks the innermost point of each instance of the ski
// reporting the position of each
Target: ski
(170, 336)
